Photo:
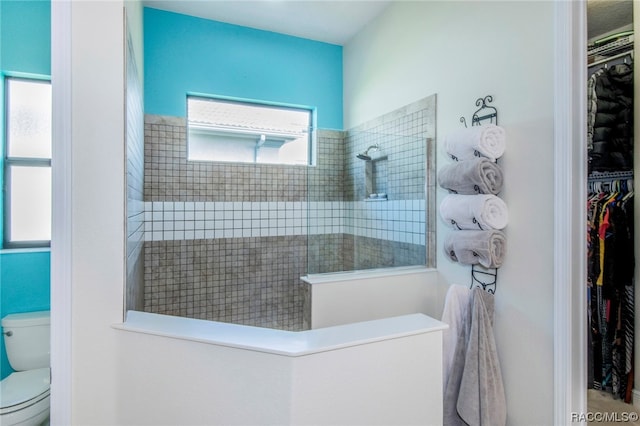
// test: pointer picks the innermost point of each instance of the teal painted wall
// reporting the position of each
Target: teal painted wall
(184, 55)
(25, 286)
(26, 36)
(25, 50)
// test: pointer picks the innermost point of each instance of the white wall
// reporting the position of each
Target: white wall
(462, 51)
(97, 207)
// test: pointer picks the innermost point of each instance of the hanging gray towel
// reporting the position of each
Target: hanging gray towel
(472, 247)
(481, 400)
(456, 310)
(452, 389)
(476, 176)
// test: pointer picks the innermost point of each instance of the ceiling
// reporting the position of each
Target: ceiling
(330, 21)
(605, 16)
(337, 21)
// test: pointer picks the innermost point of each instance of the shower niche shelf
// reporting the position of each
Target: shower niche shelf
(377, 197)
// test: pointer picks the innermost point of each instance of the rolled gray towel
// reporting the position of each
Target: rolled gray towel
(477, 176)
(472, 247)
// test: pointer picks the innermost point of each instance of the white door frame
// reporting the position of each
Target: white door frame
(61, 238)
(569, 227)
(570, 181)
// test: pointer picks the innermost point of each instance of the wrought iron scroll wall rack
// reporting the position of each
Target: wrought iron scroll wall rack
(485, 278)
(486, 114)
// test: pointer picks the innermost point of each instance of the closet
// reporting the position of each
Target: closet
(610, 218)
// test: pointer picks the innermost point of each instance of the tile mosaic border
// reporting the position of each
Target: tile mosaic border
(393, 220)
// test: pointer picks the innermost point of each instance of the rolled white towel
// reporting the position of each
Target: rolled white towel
(487, 140)
(472, 247)
(477, 176)
(474, 212)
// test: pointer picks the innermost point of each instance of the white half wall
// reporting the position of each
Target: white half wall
(184, 371)
(344, 298)
(394, 382)
(462, 51)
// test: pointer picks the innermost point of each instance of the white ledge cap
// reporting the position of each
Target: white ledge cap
(280, 342)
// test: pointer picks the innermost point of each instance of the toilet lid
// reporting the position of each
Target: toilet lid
(22, 386)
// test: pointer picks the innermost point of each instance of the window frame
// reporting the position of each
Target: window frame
(311, 137)
(8, 162)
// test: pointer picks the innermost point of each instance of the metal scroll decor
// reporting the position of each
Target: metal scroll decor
(485, 113)
(485, 279)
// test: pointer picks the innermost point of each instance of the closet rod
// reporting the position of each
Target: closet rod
(611, 58)
(607, 176)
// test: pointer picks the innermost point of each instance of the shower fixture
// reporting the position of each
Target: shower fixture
(365, 155)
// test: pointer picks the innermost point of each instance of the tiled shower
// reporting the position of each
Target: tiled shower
(229, 242)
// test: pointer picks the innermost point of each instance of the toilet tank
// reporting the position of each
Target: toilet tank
(27, 340)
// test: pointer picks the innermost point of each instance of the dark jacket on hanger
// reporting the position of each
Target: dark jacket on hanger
(613, 126)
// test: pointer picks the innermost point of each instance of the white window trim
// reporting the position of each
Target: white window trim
(61, 230)
(8, 243)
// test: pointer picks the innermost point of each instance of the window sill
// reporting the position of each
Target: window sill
(25, 250)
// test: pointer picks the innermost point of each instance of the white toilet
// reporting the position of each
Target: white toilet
(24, 394)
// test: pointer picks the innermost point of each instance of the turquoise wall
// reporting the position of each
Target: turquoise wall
(184, 54)
(25, 50)
(25, 286)
(26, 36)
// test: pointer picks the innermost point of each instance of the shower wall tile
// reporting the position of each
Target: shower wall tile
(169, 176)
(330, 253)
(403, 168)
(394, 220)
(229, 242)
(399, 166)
(249, 281)
(327, 177)
(223, 206)
(375, 253)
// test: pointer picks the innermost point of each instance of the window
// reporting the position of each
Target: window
(27, 163)
(244, 132)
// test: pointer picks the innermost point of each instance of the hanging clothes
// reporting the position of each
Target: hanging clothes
(610, 261)
(610, 119)
(610, 273)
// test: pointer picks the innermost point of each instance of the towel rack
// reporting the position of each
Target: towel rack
(485, 114)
